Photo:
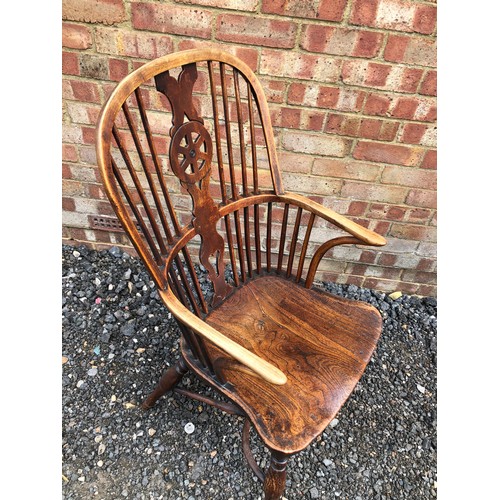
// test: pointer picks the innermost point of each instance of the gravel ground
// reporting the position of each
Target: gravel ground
(117, 340)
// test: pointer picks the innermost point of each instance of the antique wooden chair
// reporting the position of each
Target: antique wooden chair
(285, 354)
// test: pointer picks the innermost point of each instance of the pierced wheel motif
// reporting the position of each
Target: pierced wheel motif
(191, 152)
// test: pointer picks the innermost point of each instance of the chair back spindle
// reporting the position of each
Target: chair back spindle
(161, 129)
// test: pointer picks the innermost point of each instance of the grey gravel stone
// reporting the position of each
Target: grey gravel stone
(314, 492)
(381, 446)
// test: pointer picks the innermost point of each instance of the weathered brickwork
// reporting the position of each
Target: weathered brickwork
(352, 89)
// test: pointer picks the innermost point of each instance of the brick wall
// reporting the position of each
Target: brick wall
(352, 92)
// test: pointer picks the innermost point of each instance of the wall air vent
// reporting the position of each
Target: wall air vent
(107, 224)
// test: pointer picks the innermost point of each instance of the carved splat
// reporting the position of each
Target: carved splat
(191, 161)
(180, 94)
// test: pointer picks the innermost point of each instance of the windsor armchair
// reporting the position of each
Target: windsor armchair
(285, 354)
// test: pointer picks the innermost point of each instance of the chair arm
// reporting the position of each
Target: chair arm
(365, 235)
(266, 370)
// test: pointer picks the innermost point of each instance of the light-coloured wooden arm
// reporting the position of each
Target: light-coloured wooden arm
(365, 235)
(264, 369)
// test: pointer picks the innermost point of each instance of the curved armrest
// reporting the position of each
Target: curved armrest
(365, 235)
(266, 370)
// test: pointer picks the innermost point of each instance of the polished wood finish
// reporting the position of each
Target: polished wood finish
(275, 480)
(321, 342)
(284, 354)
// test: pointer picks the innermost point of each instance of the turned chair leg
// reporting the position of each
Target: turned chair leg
(168, 381)
(274, 482)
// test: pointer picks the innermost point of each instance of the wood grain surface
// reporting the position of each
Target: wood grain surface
(321, 342)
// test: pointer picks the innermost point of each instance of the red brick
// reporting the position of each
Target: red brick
(274, 90)
(331, 11)
(69, 153)
(387, 212)
(328, 97)
(417, 50)
(66, 171)
(412, 133)
(395, 48)
(387, 259)
(96, 192)
(356, 127)
(350, 126)
(429, 84)
(167, 18)
(427, 265)
(431, 115)
(362, 222)
(341, 41)
(102, 11)
(388, 131)
(381, 227)
(373, 129)
(256, 30)
(328, 39)
(88, 134)
(326, 10)
(405, 107)
(343, 99)
(118, 69)
(367, 257)
(312, 120)
(85, 91)
(285, 117)
(377, 105)
(410, 79)
(364, 12)
(68, 204)
(412, 177)
(357, 269)
(250, 5)
(77, 235)
(76, 36)
(368, 44)
(296, 93)
(357, 208)
(421, 198)
(427, 290)
(334, 123)
(377, 74)
(354, 280)
(425, 19)
(387, 153)
(430, 160)
(395, 213)
(419, 215)
(70, 64)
